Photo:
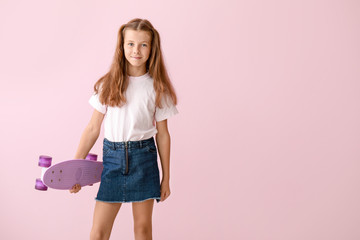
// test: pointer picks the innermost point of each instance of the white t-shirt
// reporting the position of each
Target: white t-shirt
(135, 120)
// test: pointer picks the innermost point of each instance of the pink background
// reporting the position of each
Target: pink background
(266, 142)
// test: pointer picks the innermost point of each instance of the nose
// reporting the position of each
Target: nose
(136, 49)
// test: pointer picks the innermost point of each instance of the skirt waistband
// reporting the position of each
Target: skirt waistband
(128, 144)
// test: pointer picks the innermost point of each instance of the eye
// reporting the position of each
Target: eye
(144, 44)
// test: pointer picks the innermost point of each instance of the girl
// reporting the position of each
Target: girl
(132, 96)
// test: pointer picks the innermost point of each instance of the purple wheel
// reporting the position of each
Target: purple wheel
(91, 156)
(45, 161)
(39, 185)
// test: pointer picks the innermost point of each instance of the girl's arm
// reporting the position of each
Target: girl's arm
(163, 144)
(90, 135)
(88, 139)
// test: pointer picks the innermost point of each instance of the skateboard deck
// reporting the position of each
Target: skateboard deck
(66, 174)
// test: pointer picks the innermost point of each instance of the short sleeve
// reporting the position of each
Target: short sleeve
(95, 102)
(168, 109)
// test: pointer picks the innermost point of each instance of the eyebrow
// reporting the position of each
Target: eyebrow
(133, 41)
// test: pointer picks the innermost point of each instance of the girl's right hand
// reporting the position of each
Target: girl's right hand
(75, 188)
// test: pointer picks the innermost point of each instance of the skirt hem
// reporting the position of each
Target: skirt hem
(157, 200)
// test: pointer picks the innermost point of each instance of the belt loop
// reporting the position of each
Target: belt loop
(140, 143)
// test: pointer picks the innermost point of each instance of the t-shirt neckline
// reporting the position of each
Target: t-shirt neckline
(144, 76)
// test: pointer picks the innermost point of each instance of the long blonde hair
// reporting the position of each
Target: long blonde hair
(115, 82)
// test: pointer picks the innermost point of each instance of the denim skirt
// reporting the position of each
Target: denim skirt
(131, 172)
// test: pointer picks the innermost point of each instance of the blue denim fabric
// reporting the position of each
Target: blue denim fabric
(131, 172)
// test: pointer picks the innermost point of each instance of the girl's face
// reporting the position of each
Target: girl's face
(137, 49)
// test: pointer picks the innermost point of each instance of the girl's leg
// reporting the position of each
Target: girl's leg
(142, 213)
(104, 216)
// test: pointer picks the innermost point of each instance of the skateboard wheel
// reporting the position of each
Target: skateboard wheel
(45, 161)
(39, 185)
(91, 156)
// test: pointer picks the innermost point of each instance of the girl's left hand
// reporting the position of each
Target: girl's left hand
(165, 190)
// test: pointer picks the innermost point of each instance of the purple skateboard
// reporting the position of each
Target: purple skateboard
(65, 175)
